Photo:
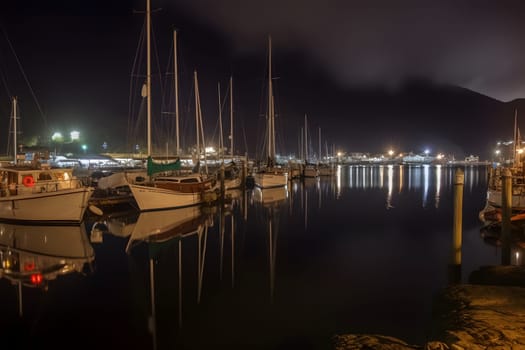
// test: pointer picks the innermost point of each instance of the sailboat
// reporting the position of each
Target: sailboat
(161, 194)
(492, 210)
(326, 168)
(310, 169)
(38, 193)
(271, 175)
(232, 177)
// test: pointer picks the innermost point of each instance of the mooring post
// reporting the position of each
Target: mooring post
(458, 215)
(455, 265)
(506, 213)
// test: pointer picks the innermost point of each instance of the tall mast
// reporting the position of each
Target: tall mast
(305, 140)
(320, 156)
(271, 137)
(197, 114)
(231, 117)
(221, 141)
(148, 74)
(515, 136)
(15, 116)
(201, 126)
(176, 82)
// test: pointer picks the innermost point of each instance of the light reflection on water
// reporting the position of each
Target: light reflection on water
(365, 251)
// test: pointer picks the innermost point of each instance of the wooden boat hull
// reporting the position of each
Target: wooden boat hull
(63, 206)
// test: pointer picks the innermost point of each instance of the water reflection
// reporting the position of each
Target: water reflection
(427, 179)
(267, 267)
(33, 256)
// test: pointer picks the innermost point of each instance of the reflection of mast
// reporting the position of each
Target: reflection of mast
(152, 324)
(305, 208)
(180, 283)
(233, 249)
(272, 250)
(20, 304)
(201, 257)
(221, 235)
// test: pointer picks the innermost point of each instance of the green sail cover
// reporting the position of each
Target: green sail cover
(158, 167)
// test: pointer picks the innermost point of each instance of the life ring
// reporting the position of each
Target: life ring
(28, 181)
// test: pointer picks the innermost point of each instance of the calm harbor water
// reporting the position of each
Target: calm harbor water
(366, 251)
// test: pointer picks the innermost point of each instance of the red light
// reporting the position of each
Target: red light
(36, 278)
(29, 266)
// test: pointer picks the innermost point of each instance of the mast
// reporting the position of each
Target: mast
(15, 116)
(231, 117)
(221, 141)
(148, 74)
(199, 124)
(320, 156)
(197, 115)
(517, 141)
(271, 140)
(305, 141)
(176, 82)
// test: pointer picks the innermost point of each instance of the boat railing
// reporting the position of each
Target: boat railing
(39, 187)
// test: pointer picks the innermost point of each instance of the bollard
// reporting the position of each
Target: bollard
(458, 216)
(506, 213)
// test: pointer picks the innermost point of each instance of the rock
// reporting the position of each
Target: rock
(368, 341)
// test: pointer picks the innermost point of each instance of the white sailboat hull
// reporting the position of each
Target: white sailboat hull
(67, 206)
(271, 179)
(153, 198)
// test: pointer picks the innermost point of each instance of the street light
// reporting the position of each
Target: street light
(56, 138)
(75, 135)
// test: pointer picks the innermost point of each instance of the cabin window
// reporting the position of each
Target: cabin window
(44, 176)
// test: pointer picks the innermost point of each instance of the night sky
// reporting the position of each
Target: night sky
(371, 75)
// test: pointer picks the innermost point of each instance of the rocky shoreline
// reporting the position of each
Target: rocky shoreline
(487, 313)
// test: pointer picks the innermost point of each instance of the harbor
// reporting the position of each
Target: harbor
(280, 175)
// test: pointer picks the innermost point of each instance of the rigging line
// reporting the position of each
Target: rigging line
(25, 77)
(4, 81)
(217, 126)
(167, 96)
(156, 51)
(131, 86)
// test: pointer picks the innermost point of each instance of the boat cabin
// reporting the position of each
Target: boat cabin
(193, 183)
(24, 181)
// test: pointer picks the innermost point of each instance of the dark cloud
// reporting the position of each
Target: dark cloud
(474, 44)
